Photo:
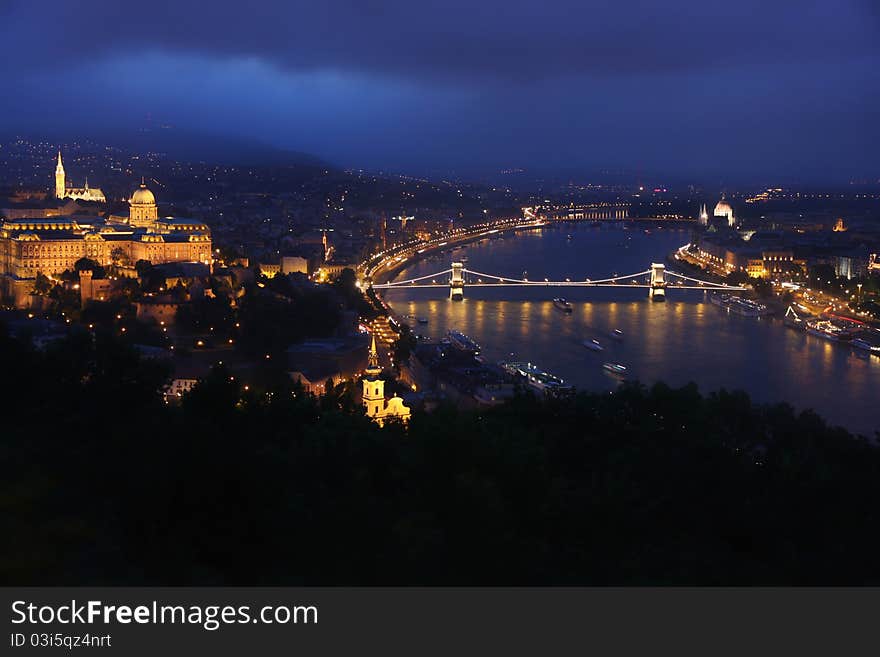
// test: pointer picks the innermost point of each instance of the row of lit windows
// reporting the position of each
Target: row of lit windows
(54, 248)
(48, 264)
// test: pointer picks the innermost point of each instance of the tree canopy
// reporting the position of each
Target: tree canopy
(105, 484)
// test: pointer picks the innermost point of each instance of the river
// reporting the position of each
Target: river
(685, 339)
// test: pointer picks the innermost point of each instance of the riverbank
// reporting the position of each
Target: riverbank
(408, 254)
(382, 267)
(686, 339)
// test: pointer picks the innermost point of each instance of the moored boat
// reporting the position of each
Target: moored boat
(460, 341)
(593, 345)
(827, 330)
(536, 377)
(739, 306)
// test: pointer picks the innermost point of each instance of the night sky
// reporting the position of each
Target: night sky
(779, 90)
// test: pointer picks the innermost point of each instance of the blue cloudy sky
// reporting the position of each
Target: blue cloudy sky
(747, 89)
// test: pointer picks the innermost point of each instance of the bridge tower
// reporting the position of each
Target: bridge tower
(658, 282)
(456, 282)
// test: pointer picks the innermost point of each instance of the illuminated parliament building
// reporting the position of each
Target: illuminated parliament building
(51, 245)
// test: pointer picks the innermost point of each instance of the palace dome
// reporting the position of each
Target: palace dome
(143, 196)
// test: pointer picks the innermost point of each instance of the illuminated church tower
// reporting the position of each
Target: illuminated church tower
(375, 405)
(374, 386)
(62, 191)
(704, 216)
(60, 187)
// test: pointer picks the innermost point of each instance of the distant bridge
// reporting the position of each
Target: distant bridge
(657, 280)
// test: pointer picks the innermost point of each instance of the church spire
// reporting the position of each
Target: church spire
(373, 396)
(374, 355)
(60, 182)
(373, 368)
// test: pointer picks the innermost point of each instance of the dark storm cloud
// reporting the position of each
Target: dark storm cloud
(454, 38)
(741, 88)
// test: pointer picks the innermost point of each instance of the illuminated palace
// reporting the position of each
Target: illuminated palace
(50, 246)
(62, 191)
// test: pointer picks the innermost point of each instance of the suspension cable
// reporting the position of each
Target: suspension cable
(420, 278)
(697, 280)
(539, 282)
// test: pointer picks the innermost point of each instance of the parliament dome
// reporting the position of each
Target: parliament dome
(723, 209)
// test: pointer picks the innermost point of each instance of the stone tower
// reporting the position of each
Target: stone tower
(86, 291)
(374, 386)
(60, 183)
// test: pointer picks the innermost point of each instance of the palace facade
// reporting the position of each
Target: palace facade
(50, 246)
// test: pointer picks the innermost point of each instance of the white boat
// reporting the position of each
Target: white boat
(536, 377)
(827, 330)
(739, 306)
(593, 344)
(616, 334)
(617, 369)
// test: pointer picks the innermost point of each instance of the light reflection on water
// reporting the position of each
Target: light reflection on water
(685, 339)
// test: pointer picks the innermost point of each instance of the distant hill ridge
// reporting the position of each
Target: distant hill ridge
(220, 149)
(188, 146)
